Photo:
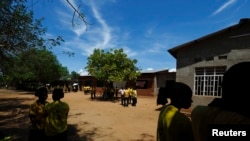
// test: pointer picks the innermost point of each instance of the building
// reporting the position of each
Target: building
(147, 84)
(201, 63)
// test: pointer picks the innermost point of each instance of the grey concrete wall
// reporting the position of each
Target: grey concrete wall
(205, 53)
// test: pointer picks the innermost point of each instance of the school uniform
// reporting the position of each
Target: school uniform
(37, 117)
(173, 125)
(56, 120)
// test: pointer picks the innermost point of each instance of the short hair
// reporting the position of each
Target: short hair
(180, 89)
(235, 81)
(235, 89)
(58, 93)
(41, 91)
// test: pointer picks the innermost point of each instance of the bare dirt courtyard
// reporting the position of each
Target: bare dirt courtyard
(89, 120)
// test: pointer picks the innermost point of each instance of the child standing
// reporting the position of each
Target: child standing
(56, 117)
(37, 115)
(172, 124)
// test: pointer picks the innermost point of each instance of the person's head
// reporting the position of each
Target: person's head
(235, 83)
(41, 93)
(57, 94)
(162, 96)
(181, 95)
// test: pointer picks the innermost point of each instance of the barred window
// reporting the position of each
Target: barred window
(208, 81)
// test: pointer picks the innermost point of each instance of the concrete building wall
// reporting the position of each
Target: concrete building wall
(211, 51)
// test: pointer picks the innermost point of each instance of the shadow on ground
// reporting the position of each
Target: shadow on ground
(15, 121)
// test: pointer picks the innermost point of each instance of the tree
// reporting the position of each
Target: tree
(35, 67)
(111, 66)
(21, 35)
(74, 76)
(19, 32)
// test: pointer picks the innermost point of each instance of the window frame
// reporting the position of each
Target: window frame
(207, 81)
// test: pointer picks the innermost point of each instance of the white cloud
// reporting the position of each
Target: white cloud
(149, 69)
(101, 35)
(172, 70)
(224, 6)
(66, 21)
(82, 72)
(97, 36)
(105, 28)
(157, 48)
(129, 52)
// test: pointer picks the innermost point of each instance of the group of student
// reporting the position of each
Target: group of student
(128, 96)
(48, 119)
(229, 114)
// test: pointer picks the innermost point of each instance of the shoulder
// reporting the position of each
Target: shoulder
(64, 104)
(199, 110)
(168, 109)
(217, 115)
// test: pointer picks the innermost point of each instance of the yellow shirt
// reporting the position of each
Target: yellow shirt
(56, 120)
(37, 115)
(134, 93)
(126, 93)
(173, 125)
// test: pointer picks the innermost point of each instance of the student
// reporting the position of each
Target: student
(37, 115)
(134, 97)
(229, 110)
(93, 92)
(56, 117)
(172, 124)
(126, 97)
(122, 91)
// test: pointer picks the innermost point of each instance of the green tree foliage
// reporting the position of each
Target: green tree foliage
(35, 67)
(24, 51)
(74, 76)
(19, 31)
(111, 66)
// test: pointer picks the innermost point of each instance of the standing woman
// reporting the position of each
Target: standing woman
(56, 117)
(37, 115)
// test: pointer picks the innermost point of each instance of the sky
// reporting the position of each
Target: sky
(145, 29)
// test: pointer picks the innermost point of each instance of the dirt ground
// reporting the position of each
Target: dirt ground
(89, 120)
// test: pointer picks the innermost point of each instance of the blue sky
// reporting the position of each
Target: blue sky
(145, 29)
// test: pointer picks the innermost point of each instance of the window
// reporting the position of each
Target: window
(208, 81)
(141, 84)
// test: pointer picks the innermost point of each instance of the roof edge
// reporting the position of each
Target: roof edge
(173, 50)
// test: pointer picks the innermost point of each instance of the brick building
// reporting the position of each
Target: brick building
(147, 83)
